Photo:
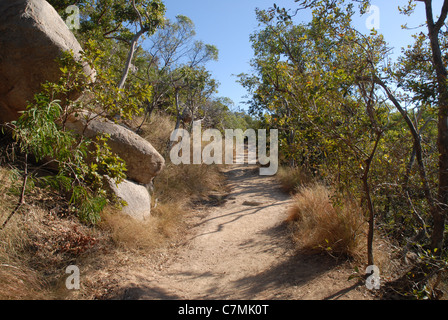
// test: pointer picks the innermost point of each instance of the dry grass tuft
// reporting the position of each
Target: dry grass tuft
(317, 224)
(187, 183)
(292, 178)
(21, 283)
(157, 131)
(17, 281)
(129, 234)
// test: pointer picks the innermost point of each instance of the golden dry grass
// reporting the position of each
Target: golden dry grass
(27, 245)
(178, 183)
(17, 281)
(164, 224)
(292, 178)
(157, 130)
(39, 242)
(317, 224)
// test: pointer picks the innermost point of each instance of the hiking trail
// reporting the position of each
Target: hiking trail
(241, 250)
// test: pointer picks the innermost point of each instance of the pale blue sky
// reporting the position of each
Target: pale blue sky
(228, 24)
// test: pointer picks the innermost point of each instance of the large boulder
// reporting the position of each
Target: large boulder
(137, 198)
(143, 162)
(32, 37)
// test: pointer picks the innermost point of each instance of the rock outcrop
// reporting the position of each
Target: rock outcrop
(32, 37)
(143, 162)
(136, 196)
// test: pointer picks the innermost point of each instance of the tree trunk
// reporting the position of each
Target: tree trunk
(176, 98)
(368, 199)
(370, 260)
(125, 73)
(440, 211)
(439, 225)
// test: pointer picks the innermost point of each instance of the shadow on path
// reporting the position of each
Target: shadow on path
(240, 252)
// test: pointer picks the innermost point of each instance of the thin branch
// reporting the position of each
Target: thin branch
(140, 19)
(439, 24)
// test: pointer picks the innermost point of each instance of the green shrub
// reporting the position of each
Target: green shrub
(81, 163)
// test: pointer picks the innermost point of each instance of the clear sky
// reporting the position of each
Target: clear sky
(228, 24)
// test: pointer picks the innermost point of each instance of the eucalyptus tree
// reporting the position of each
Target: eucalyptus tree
(346, 66)
(176, 65)
(279, 60)
(434, 88)
(117, 26)
(317, 81)
(199, 87)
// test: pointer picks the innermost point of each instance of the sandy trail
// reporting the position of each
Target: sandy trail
(241, 250)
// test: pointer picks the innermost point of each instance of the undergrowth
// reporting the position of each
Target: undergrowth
(45, 236)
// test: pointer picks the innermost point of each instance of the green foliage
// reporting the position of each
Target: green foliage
(326, 87)
(175, 67)
(103, 95)
(81, 163)
(113, 19)
(39, 132)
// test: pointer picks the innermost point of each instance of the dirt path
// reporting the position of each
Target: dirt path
(241, 250)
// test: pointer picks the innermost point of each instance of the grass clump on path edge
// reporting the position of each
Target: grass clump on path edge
(317, 224)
